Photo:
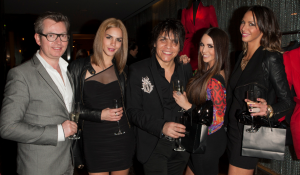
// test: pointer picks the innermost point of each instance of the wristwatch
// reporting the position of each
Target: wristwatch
(270, 111)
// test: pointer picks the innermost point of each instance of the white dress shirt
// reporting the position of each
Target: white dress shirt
(64, 87)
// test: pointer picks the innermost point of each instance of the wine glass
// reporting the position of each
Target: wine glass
(74, 116)
(177, 86)
(116, 104)
(178, 141)
(252, 96)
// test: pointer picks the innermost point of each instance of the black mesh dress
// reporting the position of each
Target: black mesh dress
(103, 150)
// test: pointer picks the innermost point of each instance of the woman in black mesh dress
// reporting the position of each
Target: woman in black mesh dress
(98, 80)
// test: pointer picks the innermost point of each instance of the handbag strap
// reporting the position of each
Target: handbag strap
(270, 124)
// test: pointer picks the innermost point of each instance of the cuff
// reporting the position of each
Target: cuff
(61, 134)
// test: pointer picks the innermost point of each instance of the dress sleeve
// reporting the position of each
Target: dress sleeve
(213, 17)
(217, 95)
(277, 77)
(76, 69)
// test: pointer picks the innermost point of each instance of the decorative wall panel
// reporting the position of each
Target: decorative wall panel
(229, 13)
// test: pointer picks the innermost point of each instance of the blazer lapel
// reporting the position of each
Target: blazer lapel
(200, 13)
(190, 15)
(44, 74)
(71, 81)
(154, 71)
(72, 86)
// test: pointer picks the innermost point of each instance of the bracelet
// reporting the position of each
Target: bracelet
(270, 111)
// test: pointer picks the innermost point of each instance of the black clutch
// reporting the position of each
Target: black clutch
(245, 118)
(197, 128)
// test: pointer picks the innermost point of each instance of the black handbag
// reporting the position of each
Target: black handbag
(77, 147)
(197, 128)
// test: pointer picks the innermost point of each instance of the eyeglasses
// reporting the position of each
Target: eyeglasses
(53, 36)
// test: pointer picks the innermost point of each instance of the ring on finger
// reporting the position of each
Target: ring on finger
(116, 113)
(255, 110)
(178, 93)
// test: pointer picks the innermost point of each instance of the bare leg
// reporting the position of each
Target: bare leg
(233, 170)
(103, 173)
(121, 172)
(188, 171)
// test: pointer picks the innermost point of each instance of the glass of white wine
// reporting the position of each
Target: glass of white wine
(74, 116)
(252, 95)
(178, 86)
(178, 141)
(117, 104)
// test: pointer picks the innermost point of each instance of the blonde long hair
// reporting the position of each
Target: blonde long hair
(121, 54)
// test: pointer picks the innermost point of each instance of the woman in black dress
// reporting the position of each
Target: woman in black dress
(209, 84)
(259, 66)
(99, 80)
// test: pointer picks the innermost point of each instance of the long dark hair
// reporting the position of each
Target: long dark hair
(196, 87)
(268, 25)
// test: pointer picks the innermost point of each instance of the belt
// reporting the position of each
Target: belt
(169, 138)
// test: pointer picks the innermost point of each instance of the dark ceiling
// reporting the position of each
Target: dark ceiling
(80, 12)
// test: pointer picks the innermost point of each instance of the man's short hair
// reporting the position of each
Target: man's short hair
(55, 16)
(168, 26)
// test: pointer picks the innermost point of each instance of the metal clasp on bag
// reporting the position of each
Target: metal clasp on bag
(80, 166)
(252, 130)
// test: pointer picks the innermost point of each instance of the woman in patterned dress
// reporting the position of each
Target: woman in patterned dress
(209, 84)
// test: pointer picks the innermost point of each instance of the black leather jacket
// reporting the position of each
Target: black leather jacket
(264, 72)
(78, 70)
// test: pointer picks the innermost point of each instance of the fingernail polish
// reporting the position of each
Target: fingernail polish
(250, 110)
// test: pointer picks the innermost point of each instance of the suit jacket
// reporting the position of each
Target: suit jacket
(291, 60)
(31, 109)
(145, 110)
(205, 17)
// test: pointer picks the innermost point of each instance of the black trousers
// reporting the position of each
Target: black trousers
(165, 161)
(208, 163)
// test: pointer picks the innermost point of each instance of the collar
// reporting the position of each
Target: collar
(62, 63)
(162, 70)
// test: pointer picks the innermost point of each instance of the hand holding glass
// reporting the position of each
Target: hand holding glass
(116, 104)
(74, 116)
(177, 86)
(252, 96)
(178, 141)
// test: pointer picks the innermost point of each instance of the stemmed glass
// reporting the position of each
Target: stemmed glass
(177, 86)
(178, 141)
(116, 104)
(74, 116)
(252, 96)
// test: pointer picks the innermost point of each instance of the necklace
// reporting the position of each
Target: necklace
(244, 63)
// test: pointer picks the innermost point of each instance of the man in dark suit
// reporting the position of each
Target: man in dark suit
(37, 101)
(150, 103)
